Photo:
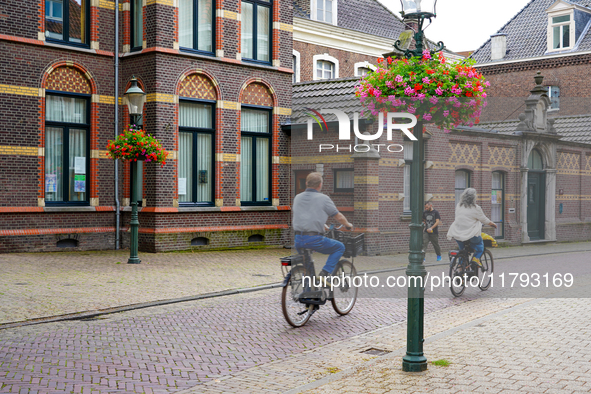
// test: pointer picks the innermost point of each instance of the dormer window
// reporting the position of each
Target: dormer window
(324, 11)
(561, 28)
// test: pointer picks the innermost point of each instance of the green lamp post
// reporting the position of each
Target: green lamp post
(136, 98)
(417, 11)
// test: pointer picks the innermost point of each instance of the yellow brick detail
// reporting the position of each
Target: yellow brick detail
(19, 90)
(344, 158)
(228, 105)
(110, 5)
(285, 27)
(284, 160)
(367, 180)
(19, 150)
(366, 206)
(107, 99)
(282, 111)
(161, 2)
(230, 15)
(161, 98)
(230, 157)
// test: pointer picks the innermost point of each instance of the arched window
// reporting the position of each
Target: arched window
(67, 137)
(497, 201)
(325, 67)
(535, 162)
(462, 183)
(255, 145)
(197, 104)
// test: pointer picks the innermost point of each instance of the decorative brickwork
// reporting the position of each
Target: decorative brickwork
(464, 153)
(568, 163)
(501, 156)
(68, 79)
(257, 94)
(197, 86)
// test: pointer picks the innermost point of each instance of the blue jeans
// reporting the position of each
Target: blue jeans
(318, 243)
(477, 244)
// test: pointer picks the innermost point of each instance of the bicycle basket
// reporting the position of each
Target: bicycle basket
(292, 260)
(354, 245)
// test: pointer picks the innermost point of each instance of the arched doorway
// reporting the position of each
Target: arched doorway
(536, 190)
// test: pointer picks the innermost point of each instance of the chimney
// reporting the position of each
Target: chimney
(498, 46)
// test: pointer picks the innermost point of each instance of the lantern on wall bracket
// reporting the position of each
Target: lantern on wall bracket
(418, 11)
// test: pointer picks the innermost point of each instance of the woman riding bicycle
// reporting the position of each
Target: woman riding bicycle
(468, 222)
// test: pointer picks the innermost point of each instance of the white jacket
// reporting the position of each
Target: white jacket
(468, 223)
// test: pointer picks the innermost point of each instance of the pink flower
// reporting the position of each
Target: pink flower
(422, 96)
(486, 83)
(392, 98)
(411, 109)
(399, 78)
(426, 54)
(409, 91)
(427, 117)
(446, 113)
(439, 91)
(390, 84)
(434, 100)
(377, 92)
(484, 95)
(426, 80)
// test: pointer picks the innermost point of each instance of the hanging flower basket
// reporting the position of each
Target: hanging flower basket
(134, 144)
(433, 89)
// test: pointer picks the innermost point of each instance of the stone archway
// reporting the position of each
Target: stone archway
(538, 191)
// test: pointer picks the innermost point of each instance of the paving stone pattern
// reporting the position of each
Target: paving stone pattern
(176, 350)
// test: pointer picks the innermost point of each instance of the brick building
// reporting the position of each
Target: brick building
(533, 175)
(218, 80)
(342, 38)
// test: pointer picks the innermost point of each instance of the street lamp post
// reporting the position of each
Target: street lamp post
(417, 11)
(136, 98)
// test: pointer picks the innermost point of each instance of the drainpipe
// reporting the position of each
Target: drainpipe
(117, 205)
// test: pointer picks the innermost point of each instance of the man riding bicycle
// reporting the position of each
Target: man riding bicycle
(468, 222)
(311, 210)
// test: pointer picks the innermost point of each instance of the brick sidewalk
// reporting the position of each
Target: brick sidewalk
(50, 284)
(539, 347)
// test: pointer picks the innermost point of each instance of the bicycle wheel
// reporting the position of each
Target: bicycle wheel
(486, 272)
(456, 274)
(296, 313)
(344, 296)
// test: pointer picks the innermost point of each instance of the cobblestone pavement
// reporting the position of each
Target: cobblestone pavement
(36, 285)
(544, 347)
(241, 344)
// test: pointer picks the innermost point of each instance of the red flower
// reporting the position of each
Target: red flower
(389, 60)
(468, 94)
(418, 87)
(380, 60)
(431, 72)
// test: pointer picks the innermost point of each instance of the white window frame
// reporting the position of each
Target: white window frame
(298, 67)
(328, 58)
(551, 26)
(364, 64)
(314, 11)
(550, 88)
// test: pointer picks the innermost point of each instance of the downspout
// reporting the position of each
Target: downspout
(117, 205)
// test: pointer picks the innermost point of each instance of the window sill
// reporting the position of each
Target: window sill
(235, 209)
(69, 47)
(406, 217)
(339, 193)
(69, 209)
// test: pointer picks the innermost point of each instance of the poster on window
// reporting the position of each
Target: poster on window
(79, 183)
(493, 198)
(182, 186)
(50, 183)
(80, 165)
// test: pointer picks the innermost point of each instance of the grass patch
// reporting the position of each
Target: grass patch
(441, 363)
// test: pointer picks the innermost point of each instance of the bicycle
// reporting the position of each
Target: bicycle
(301, 297)
(461, 266)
